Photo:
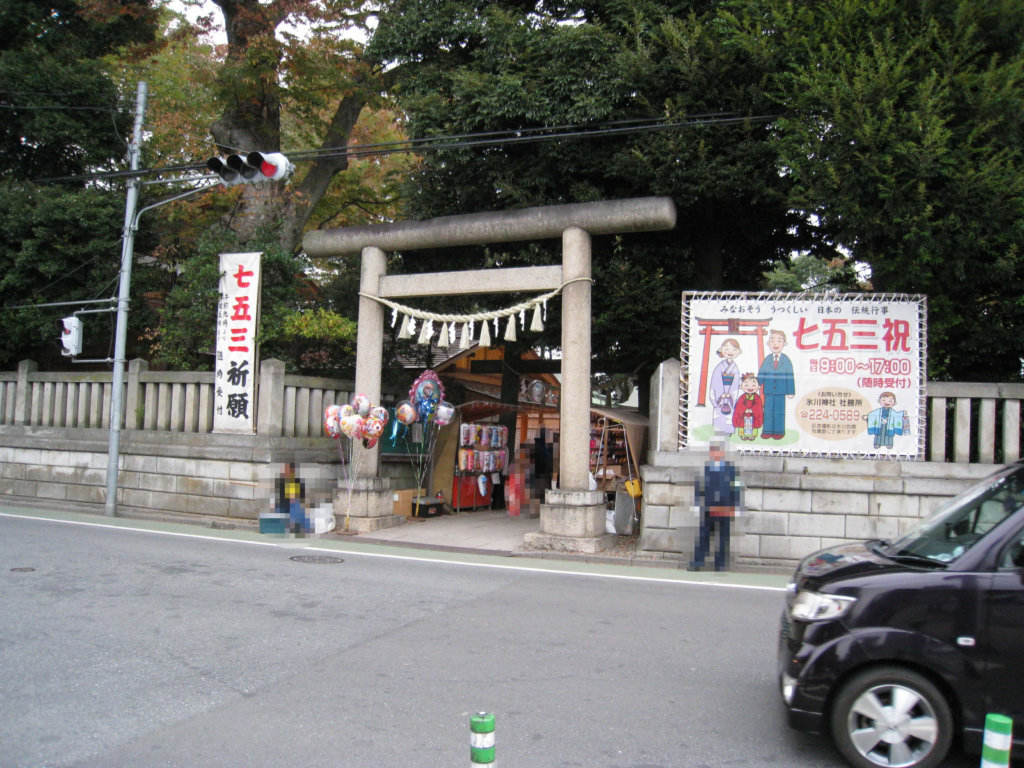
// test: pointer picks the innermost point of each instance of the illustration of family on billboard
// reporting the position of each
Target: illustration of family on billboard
(835, 375)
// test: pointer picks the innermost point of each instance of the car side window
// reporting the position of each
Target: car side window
(1013, 556)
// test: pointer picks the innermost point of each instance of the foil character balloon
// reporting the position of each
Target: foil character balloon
(352, 426)
(332, 421)
(369, 442)
(443, 413)
(361, 404)
(346, 410)
(381, 413)
(405, 413)
(426, 392)
(373, 427)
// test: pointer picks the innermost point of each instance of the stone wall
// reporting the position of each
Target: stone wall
(794, 506)
(200, 474)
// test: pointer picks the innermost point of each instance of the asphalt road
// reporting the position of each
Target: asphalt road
(149, 645)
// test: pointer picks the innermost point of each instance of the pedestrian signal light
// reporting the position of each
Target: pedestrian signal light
(71, 336)
(253, 168)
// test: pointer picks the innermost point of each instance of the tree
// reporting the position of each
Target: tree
(320, 79)
(62, 115)
(901, 132)
(465, 67)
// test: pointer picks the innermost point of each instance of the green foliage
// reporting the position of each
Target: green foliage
(902, 135)
(62, 113)
(807, 272)
(293, 326)
(466, 67)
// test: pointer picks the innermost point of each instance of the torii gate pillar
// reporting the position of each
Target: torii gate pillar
(572, 517)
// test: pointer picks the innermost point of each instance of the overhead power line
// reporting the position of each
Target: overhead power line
(508, 137)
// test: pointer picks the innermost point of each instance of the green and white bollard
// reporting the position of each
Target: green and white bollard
(481, 740)
(995, 753)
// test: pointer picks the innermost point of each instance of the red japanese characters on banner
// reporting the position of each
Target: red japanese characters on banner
(829, 375)
(237, 320)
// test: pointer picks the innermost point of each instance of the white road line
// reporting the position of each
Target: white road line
(540, 567)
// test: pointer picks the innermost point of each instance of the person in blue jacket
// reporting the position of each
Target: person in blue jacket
(717, 497)
(777, 385)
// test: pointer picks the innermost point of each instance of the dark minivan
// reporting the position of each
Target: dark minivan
(898, 648)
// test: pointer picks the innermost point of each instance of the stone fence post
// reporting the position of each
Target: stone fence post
(23, 392)
(136, 367)
(269, 414)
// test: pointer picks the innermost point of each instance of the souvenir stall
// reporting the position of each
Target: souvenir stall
(472, 456)
(618, 440)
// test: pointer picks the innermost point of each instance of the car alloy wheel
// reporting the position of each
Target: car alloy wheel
(890, 717)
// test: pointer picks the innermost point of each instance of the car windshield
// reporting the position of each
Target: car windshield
(961, 522)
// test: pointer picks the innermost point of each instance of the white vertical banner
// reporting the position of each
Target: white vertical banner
(234, 402)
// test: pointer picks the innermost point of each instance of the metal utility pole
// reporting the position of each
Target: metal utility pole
(124, 288)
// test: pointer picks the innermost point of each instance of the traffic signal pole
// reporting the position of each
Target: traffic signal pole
(124, 288)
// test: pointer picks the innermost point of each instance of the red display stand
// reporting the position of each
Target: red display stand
(466, 492)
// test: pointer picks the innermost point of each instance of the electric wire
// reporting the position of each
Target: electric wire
(509, 137)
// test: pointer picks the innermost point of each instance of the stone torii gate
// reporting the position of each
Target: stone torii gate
(572, 517)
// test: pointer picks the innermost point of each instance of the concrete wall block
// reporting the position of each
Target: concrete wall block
(51, 491)
(24, 488)
(771, 480)
(894, 505)
(175, 466)
(668, 495)
(814, 524)
(871, 527)
(933, 486)
(220, 470)
(172, 502)
(752, 498)
(160, 483)
(250, 510)
(788, 547)
(656, 515)
(205, 505)
(26, 456)
(748, 545)
(684, 516)
(782, 500)
(837, 503)
(241, 472)
(12, 471)
(137, 463)
(888, 485)
(771, 523)
(131, 497)
(842, 484)
(88, 494)
(828, 542)
(660, 540)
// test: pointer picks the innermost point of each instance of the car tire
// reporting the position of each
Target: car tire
(891, 717)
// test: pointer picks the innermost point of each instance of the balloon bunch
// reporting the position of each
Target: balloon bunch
(359, 420)
(426, 403)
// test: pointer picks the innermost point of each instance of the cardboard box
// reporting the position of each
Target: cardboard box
(402, 501)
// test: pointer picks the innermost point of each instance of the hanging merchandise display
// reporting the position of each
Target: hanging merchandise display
(483, 451)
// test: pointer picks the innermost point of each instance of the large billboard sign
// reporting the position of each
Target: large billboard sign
(809, 375)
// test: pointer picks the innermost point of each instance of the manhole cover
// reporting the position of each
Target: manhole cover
(320, 559)
(23, 569)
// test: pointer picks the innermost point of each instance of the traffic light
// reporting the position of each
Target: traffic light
(253, 168)
(71, 336)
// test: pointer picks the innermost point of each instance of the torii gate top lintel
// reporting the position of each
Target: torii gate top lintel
(639, 214)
